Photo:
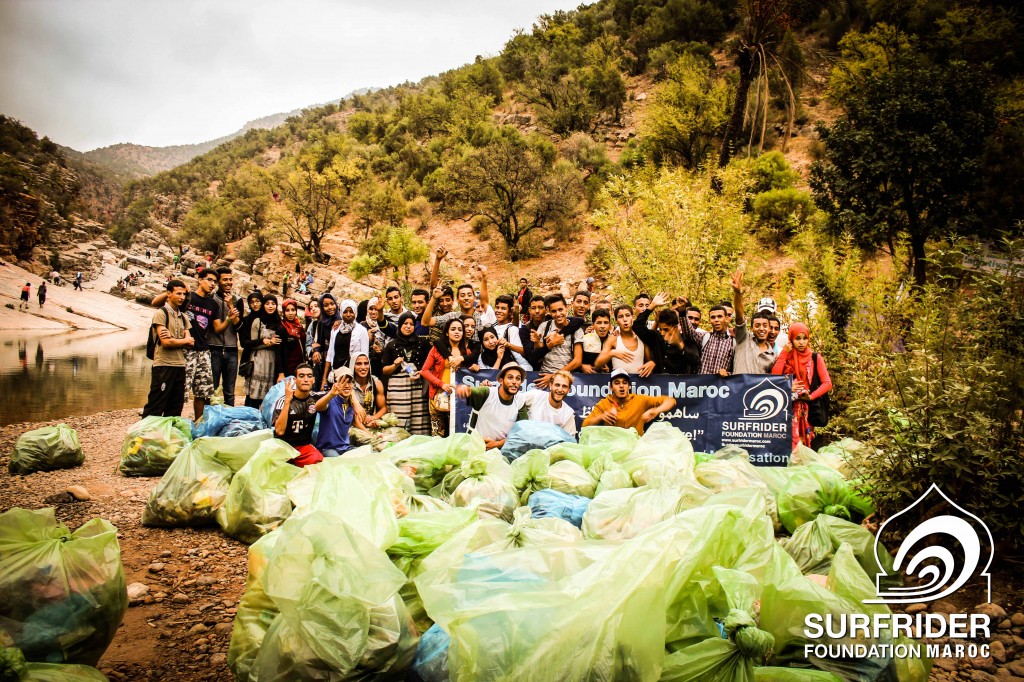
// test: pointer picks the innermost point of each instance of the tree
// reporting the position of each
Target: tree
(390, 247)
(686, 113)
(516, 186)
(759, 55)
(316, 187)
(904, 159)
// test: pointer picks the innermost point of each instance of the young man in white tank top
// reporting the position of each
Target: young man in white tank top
(496, 409)
(623, 349)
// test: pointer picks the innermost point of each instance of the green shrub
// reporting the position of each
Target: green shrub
(779, 213)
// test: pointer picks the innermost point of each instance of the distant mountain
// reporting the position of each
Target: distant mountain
(131, 161)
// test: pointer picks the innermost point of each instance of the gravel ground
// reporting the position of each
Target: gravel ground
(181, 629)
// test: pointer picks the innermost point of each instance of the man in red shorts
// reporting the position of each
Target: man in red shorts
(295, 416)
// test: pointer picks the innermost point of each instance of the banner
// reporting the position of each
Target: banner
(749, 410)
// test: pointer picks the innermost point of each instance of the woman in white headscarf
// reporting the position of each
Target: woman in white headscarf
(367, 390)
(347, 339)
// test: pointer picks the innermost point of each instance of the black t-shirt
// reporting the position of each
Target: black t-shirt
(201, 311)
(301, 419)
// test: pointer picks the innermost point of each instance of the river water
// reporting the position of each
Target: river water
(46, 376)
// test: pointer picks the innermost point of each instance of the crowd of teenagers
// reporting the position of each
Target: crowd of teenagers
(353, 363)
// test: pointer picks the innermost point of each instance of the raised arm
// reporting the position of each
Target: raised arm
(484, 293)
(737, 297)
(435, 271)
(428, 312)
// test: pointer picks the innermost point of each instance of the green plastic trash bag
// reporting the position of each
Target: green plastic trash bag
(580, 611)
(816, 489)
(530, 474)
(196, 484)
(62, 593)
(357, 491)
(662, 447)
(526, 530)
(257, 500)
(729, 659)
(46, 449)
(571, 478)
(340, 615)
(625, 513)
(813, 547)
(574, 452)
(845, 456)
(428, 460)
(14, 668)
(420, 504)
(529, 435)
(734, 473)
(609, 474)
(785, 606)
(847, 578)
(484, 480)
(421, 534)
(609, 440)
(152, 444)
(255, 611)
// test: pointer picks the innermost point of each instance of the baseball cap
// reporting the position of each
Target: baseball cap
(766, 304)
(618, 373)
(590, 280)
(510, 366)
(335, 375)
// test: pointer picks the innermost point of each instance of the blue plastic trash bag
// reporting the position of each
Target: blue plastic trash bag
(267, 406)
(216, 418)
(238, 428)
(533, 435)
(551, 503)
(431, 662)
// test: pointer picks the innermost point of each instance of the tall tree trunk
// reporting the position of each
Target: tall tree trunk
(917, 243)
(745, 61)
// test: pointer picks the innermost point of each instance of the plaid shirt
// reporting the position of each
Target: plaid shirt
(717, 353)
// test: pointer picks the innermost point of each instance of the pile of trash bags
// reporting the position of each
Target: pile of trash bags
(151, 444)
(62, 593)
(46, 449)
(612, 558)
(14, 667)
(390, 431)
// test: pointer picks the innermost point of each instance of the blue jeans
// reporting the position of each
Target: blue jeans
(225, 369)
(331, 452)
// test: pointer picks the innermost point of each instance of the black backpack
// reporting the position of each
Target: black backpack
(153, 340)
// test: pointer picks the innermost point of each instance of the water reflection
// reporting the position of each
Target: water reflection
(75, 373)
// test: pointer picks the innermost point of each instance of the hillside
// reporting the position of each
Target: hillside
(507, 160)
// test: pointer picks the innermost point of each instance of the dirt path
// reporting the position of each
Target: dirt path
(195, 577)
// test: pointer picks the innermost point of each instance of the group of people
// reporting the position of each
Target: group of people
(353, 362)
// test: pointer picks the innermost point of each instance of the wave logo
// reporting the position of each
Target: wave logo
(764, 401)
(933, 562)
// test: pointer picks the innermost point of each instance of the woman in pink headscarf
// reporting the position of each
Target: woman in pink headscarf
(810, 379)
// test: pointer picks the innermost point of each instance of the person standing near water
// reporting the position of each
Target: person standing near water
(167, 387)
(41, 293)
(25, 292)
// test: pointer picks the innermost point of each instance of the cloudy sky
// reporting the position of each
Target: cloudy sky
(89, 73)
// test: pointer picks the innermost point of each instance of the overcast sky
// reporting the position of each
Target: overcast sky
(89, 73)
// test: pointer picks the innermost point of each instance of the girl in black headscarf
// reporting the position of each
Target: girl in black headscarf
(330, 317)
(407, 390)
(264, 340)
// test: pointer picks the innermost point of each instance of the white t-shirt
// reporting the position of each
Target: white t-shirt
(510, 333)
(487, 318)
(636, 363)
(539, 403)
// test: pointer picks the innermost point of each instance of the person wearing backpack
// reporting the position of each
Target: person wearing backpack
(811, 383)
(169, 336)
